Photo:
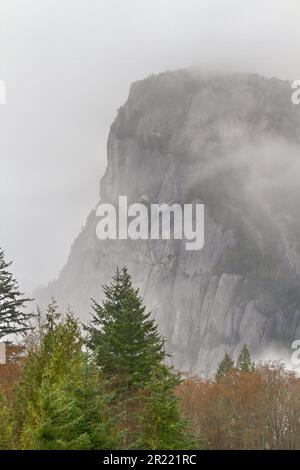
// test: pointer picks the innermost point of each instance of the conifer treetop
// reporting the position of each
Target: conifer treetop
(244, 361)
(122, 335)
(13, 318)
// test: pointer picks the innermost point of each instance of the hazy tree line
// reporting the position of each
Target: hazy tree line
(106, 385)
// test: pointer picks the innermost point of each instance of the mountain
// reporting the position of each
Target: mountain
(231, 142)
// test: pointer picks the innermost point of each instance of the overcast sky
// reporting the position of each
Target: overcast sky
(68, 65)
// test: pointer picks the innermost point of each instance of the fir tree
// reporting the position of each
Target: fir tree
(129, 350)
(161, 424)
(225, 366)
(13, 319)
(64, 405)
(244, 361)
(123, 337)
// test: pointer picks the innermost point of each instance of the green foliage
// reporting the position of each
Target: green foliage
(244, 361)
(7, 425)
(64, 404)
(121, 396)
(122, 336)
(128, 349)
(225, 366)
(161, 424)
(13, 319)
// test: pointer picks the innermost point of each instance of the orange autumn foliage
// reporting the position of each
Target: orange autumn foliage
(253, 410)
(10, 372)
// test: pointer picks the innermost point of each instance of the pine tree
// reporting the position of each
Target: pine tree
(123, 337)
(130, 352)
(13, 319)
(72, 413)
(225, 366)
(244, 361)
(64, 404)
(160, 423)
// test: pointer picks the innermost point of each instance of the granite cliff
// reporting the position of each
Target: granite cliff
(231, 142)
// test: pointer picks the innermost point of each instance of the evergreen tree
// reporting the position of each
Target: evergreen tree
(64, 405)
(13, 319)
(244, 361)
(225, 366)
(161, 424)
(123, 337)
(130, 352)
(7, 427)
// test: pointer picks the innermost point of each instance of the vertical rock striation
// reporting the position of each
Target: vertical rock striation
(231, 142)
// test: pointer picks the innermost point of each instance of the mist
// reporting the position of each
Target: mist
(68, 66)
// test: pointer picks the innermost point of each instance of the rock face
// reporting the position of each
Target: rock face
(231, 142)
